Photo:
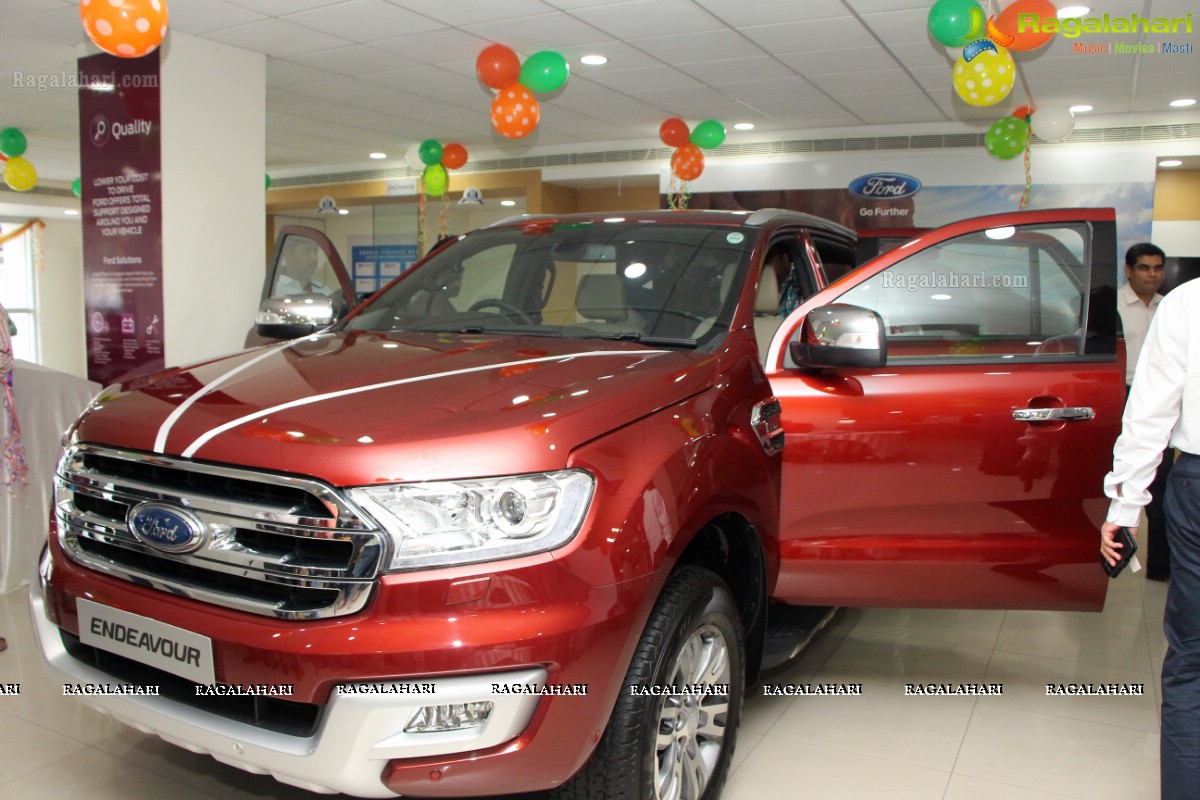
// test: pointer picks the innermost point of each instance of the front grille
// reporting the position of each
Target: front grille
(275, 545)
(268, 712)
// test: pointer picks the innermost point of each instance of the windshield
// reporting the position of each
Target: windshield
(639, 281)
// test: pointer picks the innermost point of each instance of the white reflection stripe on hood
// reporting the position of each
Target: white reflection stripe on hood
(164, 430)
(304, 401)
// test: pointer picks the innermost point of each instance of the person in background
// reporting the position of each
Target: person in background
(1164, 407)
(1137, 302)
(779, 259)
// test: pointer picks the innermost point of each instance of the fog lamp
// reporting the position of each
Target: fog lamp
(451, 717)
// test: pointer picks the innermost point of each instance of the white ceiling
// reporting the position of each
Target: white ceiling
(347, 77)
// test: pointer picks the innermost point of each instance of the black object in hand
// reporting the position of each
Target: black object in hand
(1128, 547)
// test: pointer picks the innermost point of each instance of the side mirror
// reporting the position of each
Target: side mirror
(294, 316)
(840, 336)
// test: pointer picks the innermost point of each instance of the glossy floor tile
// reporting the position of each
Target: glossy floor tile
(898, 738)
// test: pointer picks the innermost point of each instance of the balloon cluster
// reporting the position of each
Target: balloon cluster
(687, 162)
(124, 28)
(985, 72)
(433, 159)
(515, 111)
(19, 174)
(1008, 137)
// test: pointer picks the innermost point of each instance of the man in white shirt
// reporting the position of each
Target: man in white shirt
(1164, 407)
(1137, 301)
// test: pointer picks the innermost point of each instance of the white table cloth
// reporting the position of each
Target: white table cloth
(47, 402)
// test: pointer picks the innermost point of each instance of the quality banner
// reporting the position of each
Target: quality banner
(121, 198)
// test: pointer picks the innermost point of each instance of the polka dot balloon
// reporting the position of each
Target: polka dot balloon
(687, 162)
(124, 28)
(987, 79)
(515, 112)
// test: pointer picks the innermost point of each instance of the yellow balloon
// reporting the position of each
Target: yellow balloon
(19, 174)
(986, 79)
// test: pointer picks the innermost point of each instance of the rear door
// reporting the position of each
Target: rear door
(967, 472)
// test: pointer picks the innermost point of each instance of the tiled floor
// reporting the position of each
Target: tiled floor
(1020, 745)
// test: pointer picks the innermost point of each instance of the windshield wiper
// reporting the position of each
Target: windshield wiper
(634, 336)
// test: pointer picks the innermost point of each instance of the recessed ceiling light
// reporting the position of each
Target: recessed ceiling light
(70, 212)
(1071, 12)
(508, 202)
(1184, 103)
(343, 211)
(378, 155)
(593, 60)
(1080, 109)
(1171, 162)
(744, 126)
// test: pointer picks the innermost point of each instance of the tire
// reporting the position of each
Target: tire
(674, 746)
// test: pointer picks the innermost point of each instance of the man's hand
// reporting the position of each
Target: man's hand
(1110, 549)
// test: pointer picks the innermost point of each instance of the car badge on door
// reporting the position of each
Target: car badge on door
(166, 527)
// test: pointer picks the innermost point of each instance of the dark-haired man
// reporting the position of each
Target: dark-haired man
(1137, 301)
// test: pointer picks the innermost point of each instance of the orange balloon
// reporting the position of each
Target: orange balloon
(125, 28)
(687, 162)
(515, 112)
(454, 156)
(1029, 39)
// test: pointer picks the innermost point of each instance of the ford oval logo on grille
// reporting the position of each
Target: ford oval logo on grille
(166, 527)
(885, 186)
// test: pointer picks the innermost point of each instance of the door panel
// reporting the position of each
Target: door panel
(913, 484)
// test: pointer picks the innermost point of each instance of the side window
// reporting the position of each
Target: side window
(483, 276)
(1002, 293)
(303, 269)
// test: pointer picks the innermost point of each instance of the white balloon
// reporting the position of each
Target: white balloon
(412, 157)
(1052, 123)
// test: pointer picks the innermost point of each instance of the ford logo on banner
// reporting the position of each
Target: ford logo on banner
(885, 186)
(166, 527)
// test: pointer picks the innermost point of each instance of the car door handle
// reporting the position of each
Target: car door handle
(1050, 414)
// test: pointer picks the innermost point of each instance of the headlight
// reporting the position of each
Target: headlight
(460, 522)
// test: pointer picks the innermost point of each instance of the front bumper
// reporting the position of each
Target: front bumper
(360, 732)
(574, 636)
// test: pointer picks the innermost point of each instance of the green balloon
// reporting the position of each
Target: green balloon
(957, 23)
(435, 179)
(708, 134)
(1006, 138)
(544, 71)
(430, 152)
(268, 180)
(77, 187)
(12, 142)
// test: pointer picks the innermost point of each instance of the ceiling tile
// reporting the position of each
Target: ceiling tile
(528, 35)
(633, 19)
(801, 37)
(738, 13)
(283, 74)
(365, 20)
(737, 70)
(852, 83)
(198, 17)
(355, 60)
(435, 46)
(900, 27)
(696, 47)
(461, 14)
(851, 60)
(277, 38)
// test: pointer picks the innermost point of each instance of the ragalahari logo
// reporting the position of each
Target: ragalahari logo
(1135, 24)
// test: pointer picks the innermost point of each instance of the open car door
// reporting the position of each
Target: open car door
(307, 287)
(952, 453)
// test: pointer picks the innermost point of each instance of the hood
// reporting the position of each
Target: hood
(358, 408)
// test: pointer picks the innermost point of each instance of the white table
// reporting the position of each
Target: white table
(47, 402)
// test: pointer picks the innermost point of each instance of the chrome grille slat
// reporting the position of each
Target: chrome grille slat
(281, 558)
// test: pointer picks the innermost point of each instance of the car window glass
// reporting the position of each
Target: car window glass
(612, 279)
(303, 269)
(1003, 293)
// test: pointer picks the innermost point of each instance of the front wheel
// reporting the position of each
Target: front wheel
(672, 732)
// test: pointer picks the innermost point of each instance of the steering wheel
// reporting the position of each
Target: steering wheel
(506, 307)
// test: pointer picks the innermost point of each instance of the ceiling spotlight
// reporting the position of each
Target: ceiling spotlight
(594, 60)
(343, 211)
(1171, 162)
(1184, 103)
(70, 212)
(1071, 12)
(378, 155)
(1080, 109)
(744, 126)
(507, 203)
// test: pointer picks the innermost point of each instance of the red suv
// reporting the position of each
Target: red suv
(521, 520)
